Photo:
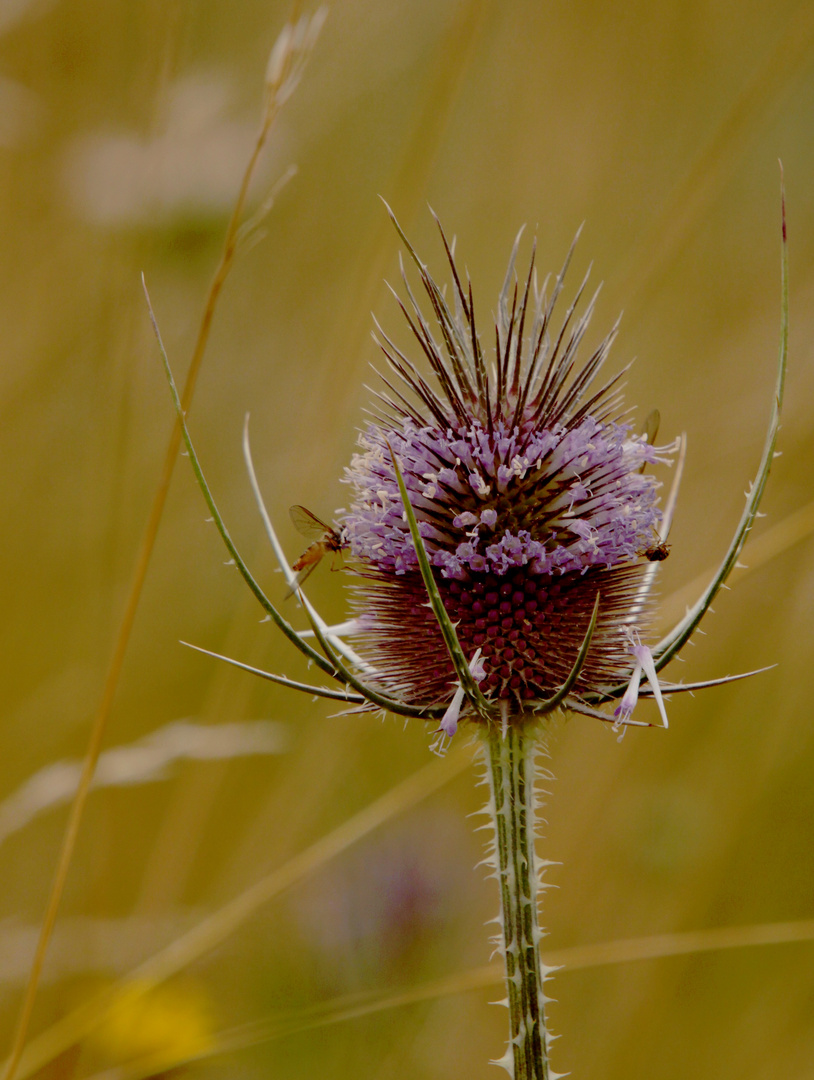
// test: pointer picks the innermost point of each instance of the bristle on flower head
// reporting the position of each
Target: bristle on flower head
(529, 493)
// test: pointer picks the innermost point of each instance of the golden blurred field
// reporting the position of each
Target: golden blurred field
(124, 131)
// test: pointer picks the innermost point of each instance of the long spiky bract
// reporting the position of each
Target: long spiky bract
(675, 639)
(331, 664)
(283, 680)
(265, 603)
(560, 696)
(456, 655)
(672, 642)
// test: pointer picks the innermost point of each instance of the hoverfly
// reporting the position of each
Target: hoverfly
(324, 539)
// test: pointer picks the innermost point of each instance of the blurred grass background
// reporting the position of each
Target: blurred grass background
(125, 130)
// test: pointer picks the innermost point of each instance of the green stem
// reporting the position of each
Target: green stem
(510, 769)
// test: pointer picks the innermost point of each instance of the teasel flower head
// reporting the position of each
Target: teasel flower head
(531, 492)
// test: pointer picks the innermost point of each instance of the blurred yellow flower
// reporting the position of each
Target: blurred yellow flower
(158, 1026)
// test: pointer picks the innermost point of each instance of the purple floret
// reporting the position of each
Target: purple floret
(562, 499)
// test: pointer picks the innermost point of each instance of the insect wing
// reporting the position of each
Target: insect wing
(308, 524)
(650, 428)
(300, 579)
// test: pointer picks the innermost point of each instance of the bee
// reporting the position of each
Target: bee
(657, 552)
(324, 539)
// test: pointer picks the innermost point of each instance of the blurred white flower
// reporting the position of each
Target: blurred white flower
(145, 761)
(13, 11)
(84, 944)
(192, 166)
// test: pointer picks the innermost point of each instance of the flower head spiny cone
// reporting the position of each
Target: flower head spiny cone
(530, 493)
